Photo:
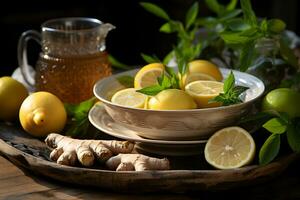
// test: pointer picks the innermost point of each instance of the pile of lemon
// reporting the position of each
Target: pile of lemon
(199, 84)
(39, 113)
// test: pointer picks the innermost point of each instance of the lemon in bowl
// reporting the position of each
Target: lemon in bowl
(177, 124)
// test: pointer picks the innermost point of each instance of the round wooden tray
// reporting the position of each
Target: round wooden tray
(32, 154)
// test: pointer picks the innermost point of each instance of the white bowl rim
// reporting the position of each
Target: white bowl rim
(179, 111)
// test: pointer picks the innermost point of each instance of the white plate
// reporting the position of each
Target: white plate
(102, 121)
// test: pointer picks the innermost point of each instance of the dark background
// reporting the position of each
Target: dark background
(137, 30)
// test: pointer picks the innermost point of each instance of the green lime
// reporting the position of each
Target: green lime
(283, 100)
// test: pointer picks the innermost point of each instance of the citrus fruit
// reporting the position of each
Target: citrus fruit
(203, 91)
(205, 67)
(129, 98)
(12, 94)
(283, 100)
(230, 148)
(188, 78)
(147, 76)
(171, 99)
(42, 113)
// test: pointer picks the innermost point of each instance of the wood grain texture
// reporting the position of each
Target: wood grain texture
(148, 181)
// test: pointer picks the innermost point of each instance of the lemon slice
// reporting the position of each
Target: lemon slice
(129, 98)
(191, 77)
(147, 76)
(230, 148)
(203, 91)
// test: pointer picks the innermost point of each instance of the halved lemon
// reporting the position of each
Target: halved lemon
(129, 98)
(203, 91)
(147, 76)
(191, 77)
(230, 148)
(205, 67)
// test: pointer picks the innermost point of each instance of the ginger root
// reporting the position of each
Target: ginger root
(67, 150)
(136, 162)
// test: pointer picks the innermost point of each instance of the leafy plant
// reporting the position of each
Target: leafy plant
(231, 94)
(278, 127)
(78, 124)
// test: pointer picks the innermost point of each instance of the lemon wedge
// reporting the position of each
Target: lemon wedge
(203, 91)
(147, 76)
(129, 98)
(230, 148)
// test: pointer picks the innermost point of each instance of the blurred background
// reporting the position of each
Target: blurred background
(136, 32)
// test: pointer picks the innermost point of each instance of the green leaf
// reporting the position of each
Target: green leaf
(166, 82)
(229, 83)
(117, 64)
(151, 90)
(126, 80)
(270, 149)
(167, 28)
(214, 6)
(156, 10)
(191, 15)
(249, 14)
(170, 71)
(234, 38)
(293, 136)
(230, 14)
(288, 54)
(247, 55)
(275, 126)
(276, 25)
(168, 57)
(231, 5)
(150, 59)
(238, 25)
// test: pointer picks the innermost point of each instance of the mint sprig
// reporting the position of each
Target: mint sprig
(231, 92)
(168, 80)
(279, 126)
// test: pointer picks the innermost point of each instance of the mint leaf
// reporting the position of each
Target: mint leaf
(231, 5)
(239, 89)
(247, 55)
(249, 14)
(156, 10)
(167, 28)
(270, 149)
(78, 114)
(116, 63)
(234, 38)
(275, 126)
(150, 59)
(229, 83)
(126, 80)
(165, 82)
(151, 90)
(238, 24)
(191, 15)
(168, 57)
(293, 136)
(214, 6)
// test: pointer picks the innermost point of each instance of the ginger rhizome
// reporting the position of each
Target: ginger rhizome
(68, 150)
(136, 162)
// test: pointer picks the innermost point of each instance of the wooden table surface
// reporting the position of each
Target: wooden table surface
(16, 183)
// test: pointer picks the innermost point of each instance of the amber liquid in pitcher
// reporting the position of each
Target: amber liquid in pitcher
(71, 79)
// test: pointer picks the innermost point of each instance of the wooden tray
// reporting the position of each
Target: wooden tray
(190, 174)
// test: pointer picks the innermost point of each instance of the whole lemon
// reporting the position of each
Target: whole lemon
(42, 113)
(12, 94)
(283, 100)
(172, 99)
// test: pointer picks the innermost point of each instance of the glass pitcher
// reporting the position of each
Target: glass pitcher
(73, 57)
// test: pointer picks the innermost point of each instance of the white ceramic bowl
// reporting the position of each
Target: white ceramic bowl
(178, 124)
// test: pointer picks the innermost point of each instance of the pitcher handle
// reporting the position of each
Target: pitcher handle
(22, 54)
